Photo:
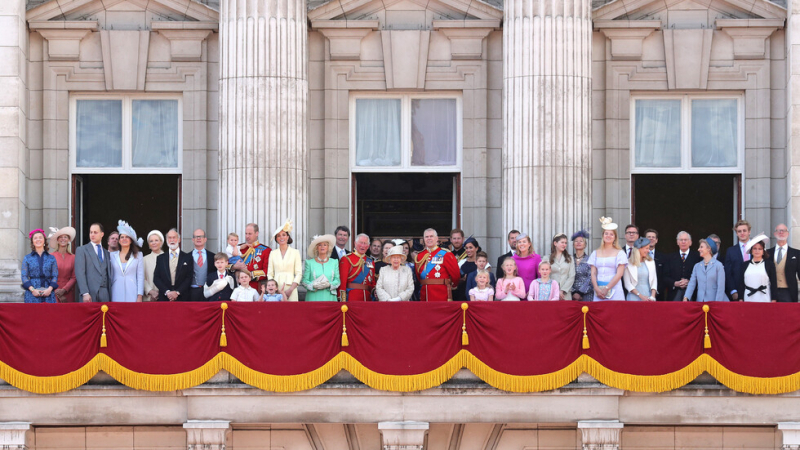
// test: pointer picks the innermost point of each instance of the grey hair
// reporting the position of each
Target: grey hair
(175, 230)
(430, 229)
(360, 235)
(683, 232)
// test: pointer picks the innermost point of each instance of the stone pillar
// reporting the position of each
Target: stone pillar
(13, 147)
(263, 91)
(793, 119)
(206, 434)
(547, 85)
(403, 435)
(791, 435)
(13, 435)
(600, 434)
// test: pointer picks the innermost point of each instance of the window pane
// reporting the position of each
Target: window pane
(155, 133)
(714, 133)
(378, 132)
(98, 125)
(434, 132)
(658, 133)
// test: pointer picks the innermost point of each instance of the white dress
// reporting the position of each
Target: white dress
(754, 277)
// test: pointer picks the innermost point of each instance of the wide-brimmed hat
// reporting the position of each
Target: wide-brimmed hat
(287, 227)
(760, 238)
(607, 223)
(56, 232)
(312, 247)
(396, 250)
(124, 228)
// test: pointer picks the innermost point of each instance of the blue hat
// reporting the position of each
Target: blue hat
(641, 242)
(127, 230)
(712, 245)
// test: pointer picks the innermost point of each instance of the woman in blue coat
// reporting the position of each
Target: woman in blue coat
(708, 276)
(39, 271)
(127, 267)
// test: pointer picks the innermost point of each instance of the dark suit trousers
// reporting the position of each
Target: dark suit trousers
(196, 294)
(784, 295)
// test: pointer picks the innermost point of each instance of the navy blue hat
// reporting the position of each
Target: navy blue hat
(712, 245)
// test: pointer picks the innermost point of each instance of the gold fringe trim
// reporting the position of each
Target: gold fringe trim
(400, 383)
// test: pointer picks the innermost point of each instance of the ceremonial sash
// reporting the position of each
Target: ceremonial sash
(430, 263)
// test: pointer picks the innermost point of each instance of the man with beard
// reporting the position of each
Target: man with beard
(174, 270)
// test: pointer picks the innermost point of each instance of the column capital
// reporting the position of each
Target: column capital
(206, 434)
(13, 435)
(791, 435)
(600, 434)
(407, 435)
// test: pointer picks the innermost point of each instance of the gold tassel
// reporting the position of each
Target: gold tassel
(223, 340)
(345, 341)
(464, 335)
(585, 343)
(103, 339)
(706, 338)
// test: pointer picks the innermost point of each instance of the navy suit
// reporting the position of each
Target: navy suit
(791, 269)
(733, 269)
(677, 269)
(184, 273)
(224, 294)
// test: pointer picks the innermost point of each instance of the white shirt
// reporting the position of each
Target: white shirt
(340, 251)
(780, 248)
(244, 294)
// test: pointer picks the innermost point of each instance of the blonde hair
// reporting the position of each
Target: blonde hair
(616, 241)
(233, 235)
(516, 274)
(485, 273)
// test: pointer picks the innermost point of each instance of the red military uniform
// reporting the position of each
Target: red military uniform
(357, 273)
(438, 272)
(256, 258)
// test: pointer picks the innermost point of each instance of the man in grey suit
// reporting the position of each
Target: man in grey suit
(92, 268)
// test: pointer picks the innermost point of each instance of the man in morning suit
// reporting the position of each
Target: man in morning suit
(203, 265)
(679, 266)
(735, 257)
(786, 266)
(92, 270)
(512, 242)
(342, 235)
(173, 274)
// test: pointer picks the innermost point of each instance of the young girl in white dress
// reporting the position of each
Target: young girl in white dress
(483, 292)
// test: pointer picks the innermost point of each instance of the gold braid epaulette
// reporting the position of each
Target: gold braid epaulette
(359, 266)
(418, 264)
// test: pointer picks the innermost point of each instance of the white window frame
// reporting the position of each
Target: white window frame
(686, 133)
(405, 130)
(127, 138)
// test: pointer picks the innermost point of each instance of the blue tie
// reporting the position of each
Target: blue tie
(100, 253)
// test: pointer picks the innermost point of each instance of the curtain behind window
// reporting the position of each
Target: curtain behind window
(98, 125)
(658, 133)
(434, 132)
(155, 133)
(378, 132)
(714, 133)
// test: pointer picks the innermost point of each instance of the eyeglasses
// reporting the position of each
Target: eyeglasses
(199, 237)
(781, 231)
(631, 232)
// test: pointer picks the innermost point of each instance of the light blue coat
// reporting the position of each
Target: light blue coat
(708, 281)
(128, 284)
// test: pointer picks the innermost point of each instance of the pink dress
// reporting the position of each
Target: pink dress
(66, 275)
(516, 294)
(528, 267)
(540, 290)
(481, 295)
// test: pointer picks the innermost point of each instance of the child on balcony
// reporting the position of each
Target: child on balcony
(543, 288)
(483, 292)
(510, 287)
(269, 292)
(244, 293)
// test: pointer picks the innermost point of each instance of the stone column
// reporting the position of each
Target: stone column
(791, 435)
(793, 120)
(403, 435)
(13, 147)
(206, 434)
(13, 435)
(547, 85)
(600, 434)
(263, 91)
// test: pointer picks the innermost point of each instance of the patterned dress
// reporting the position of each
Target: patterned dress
(40, 272)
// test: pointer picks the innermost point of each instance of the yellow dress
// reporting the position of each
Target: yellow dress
(285, 269)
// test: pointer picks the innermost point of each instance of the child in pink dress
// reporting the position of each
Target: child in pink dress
(543, 288)
(483, 291)
(510, 287)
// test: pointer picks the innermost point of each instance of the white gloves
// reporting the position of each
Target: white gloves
(321, 283)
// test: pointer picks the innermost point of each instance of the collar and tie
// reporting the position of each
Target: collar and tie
(683, 257)
(780, 254)
(99, 249)
(199, 258)
(173, 254)
(745, 255)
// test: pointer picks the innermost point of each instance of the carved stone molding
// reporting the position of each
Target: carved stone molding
(791, 435)
(749, 36)
(600, 434)
(405, 58)
(627, 36)
(403, 435)
(683, 49)
(64, 37)
(466, 37)
(185, 38)
(345, 36)
(13, 434)
(206, 434)
(125, 58)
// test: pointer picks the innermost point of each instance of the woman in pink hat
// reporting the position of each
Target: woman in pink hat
(61, 242)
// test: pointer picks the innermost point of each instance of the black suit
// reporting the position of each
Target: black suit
(208, 264)
(769, 267)
(791, 269)
(498, 270)
(335, 252)
(661, 260)
(733, 269)
(184, 273)
(224, 294)
(676, 269)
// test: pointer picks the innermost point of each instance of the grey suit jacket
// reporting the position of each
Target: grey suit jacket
(92, 275)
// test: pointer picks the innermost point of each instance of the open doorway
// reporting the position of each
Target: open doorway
(700, 204)
(147, 202)
(402, 205)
